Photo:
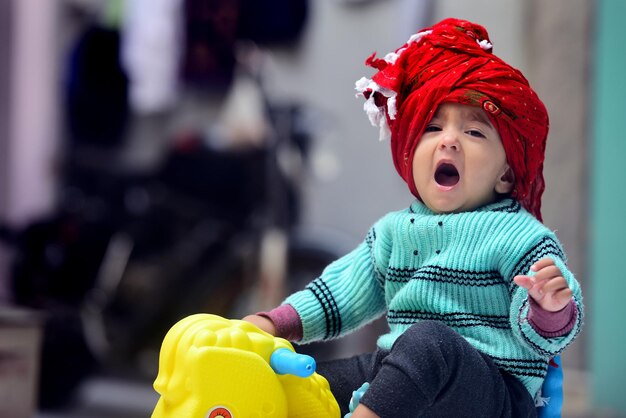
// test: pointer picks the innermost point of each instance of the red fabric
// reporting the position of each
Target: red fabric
(287, 322)
(449, 65)
(552, 324)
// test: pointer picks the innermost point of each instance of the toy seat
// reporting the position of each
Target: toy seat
(211, 367)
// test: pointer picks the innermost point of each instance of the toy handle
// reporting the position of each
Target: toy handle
(285, 361)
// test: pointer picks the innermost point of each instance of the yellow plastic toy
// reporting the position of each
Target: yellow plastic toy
(211, 367)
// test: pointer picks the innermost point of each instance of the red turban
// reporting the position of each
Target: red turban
(452, 62)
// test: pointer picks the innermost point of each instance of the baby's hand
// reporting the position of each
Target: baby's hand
(262, 322)
(547, 287)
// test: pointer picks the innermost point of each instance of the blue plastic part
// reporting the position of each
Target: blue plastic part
(356, 398)
(285, 361)
(552, 389)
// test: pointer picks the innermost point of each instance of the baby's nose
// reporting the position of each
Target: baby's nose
(449, 140)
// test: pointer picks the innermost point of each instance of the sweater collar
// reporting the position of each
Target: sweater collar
(504, 205)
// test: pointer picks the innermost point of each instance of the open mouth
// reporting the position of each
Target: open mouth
(447, 175)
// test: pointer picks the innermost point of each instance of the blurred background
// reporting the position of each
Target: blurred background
(165, 157)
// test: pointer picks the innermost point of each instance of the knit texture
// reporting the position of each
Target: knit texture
(458, 268)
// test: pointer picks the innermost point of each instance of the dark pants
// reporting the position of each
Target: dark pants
(431, 371)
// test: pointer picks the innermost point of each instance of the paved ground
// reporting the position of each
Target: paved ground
(109, 398)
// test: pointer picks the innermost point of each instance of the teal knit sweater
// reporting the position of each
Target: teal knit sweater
(417, 265)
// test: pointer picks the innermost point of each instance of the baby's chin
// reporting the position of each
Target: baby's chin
(444, 207)
(447, 206)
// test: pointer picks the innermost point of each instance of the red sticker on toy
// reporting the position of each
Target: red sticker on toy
(219, 412)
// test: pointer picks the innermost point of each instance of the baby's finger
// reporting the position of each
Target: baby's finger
(550, 287)
(543, 263)
(559, 300)
(524, 281)
(547, 273)
(555, 285)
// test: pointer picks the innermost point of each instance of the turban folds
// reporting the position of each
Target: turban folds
(453, 62)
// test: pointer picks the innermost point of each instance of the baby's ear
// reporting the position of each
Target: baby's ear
(506, 181)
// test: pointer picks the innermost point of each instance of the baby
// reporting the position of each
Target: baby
(475, 289)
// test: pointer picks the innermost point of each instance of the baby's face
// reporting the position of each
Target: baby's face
(459, 163)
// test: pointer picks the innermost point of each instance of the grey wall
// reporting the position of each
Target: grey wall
(354, 181)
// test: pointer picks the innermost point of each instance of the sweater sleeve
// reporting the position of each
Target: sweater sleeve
(525, 328)
(286, 320)
(552, 324)
(347, 295)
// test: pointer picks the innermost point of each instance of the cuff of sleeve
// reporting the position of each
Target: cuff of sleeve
(287, 322)
(552, 324)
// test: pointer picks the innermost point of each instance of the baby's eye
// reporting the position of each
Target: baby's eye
(475, 133)
(432, 128)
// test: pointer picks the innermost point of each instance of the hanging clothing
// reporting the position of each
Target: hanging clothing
(151, 51)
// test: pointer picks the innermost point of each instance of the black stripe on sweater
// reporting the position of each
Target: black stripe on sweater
(506, 205)
(519, 367)
(446, 275)
(369, 239)
(400, 275)
(513, 207)
(547, 246)
(452, 319)
(329, 305)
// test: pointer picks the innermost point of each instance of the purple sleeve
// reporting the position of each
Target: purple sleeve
(287, 322)
(552, 324)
